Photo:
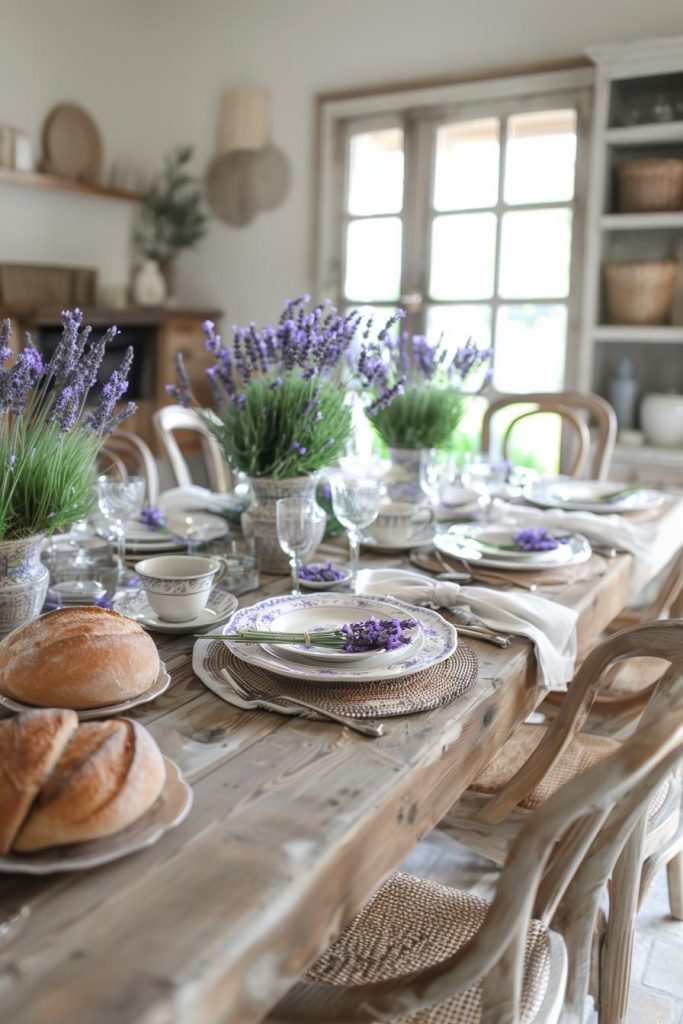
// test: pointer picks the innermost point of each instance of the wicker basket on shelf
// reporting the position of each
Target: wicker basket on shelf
(650, 185)
(640, 292)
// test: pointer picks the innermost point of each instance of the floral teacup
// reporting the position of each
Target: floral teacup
(178, 586)
(399, 521)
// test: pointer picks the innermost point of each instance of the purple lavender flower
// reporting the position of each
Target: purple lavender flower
(377, 634)
(321, 572)
(152, 517)
(110, 394)
(537, 538)
(180, 391)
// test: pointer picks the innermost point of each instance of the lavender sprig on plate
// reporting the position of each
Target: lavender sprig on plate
(353, 637)
(321, 572)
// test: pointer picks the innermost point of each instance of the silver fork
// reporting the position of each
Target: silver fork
(260, 700)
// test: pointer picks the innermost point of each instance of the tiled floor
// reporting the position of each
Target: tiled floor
(657, 972)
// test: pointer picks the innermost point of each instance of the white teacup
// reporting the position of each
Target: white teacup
(178, 586)
(399, 521)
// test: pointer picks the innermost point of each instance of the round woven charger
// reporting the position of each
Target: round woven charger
(421, 691)
(588, 570)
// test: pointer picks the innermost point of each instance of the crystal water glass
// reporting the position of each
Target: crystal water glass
(297, 520)
(356, 502)
(487, 476)
(118, 501)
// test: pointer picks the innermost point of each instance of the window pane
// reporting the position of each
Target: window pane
(530, 347)
(540, 156)
(463, 253)
(380, 315)
(376, 172)
(458, 323)
(466, 174)
(535, 254)
(373, 259)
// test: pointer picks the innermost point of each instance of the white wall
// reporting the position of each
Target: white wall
(151, 73)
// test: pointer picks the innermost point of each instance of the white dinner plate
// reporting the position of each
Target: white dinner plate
(585, 495)
(439, 638)
(172, 807)
(456, 544)
(204, 526)
(420, 539)
(159, 686)
(291, 652)
(489, 541)
(323, 616)
(219, 608)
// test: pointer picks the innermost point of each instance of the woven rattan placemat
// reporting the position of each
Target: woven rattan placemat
(421, 691)
(595, 566)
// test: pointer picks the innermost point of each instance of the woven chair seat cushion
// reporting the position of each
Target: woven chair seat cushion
(584, 751)
(412, 923)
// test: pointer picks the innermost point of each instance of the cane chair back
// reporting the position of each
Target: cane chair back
(573, 407)
(595, 814)
(138, 460)
(111, 464)
(172, 418)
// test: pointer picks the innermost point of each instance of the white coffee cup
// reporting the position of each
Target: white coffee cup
(178, 586)
(399, 521)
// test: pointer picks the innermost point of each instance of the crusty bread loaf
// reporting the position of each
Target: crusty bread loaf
(110, 773)
(30, 746)
(77, 658)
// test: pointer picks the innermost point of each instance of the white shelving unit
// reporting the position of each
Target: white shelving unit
(626, 79)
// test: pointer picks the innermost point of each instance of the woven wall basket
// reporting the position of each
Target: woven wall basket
(646, 186)
(640, 292)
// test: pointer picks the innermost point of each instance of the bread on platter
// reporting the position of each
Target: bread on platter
(108, 775)
(80, 657)
(30, 747)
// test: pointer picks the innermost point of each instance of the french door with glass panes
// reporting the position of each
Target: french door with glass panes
(469, 219)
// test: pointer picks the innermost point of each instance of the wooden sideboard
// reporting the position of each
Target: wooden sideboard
(157, 335)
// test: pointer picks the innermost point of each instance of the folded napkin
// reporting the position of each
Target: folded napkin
(551, 626)
(614, 530)
(193, 498)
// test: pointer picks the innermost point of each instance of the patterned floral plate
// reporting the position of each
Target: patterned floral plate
(439, 638)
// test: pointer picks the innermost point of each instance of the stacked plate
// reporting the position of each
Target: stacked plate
(593, 496)
(494, 547)
(431, 641)
(200, 527)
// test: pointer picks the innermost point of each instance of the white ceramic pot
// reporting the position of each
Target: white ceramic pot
(23, 582)
(149, 285)
(661, 417)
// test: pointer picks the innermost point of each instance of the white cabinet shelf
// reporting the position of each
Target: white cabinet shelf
(669, 220)
(656, 334)
(662, 133)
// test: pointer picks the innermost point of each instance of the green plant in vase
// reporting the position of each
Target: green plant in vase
(281, 409)
(50, 438)
(437, 383)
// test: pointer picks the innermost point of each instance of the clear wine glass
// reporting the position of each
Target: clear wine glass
(119, 501)
(298, 520)
(487, 475)
(356, 502)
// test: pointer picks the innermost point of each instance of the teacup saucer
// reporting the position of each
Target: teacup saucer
(219, 608)
(421, 538)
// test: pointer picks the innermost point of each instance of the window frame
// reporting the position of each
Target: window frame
(419, 111)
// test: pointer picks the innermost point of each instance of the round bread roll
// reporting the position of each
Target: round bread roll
(110, 773)
(77, 658)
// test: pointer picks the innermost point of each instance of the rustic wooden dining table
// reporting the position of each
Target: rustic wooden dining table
(294, 824)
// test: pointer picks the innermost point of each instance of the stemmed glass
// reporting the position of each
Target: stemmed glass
(118, 501)
(297, 522)
(356, 502)
(487, 475)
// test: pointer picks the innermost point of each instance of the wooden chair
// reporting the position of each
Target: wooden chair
(537, 761)
(111, 464)
(572, 407)
(138, 460)
(418, 946)
(170, 418)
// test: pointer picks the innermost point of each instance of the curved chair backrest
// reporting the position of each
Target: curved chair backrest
(170, 418)
(572, 406)
(111, 464)
(138, 460)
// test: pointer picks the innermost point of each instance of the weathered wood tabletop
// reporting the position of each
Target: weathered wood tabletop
(294, 824)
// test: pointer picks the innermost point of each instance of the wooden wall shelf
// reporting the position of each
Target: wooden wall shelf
(35, 179)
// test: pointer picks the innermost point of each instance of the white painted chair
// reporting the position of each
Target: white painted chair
(171, 418)
(129, 449)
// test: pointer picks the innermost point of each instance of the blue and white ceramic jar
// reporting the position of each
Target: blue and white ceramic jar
(23, 581)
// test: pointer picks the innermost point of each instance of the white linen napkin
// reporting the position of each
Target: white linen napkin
(193, 498)
(551, 626)
(614, 530)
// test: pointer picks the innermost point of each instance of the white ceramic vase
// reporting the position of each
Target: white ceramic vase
(661, 417)
(149, 286)
(259, 520)
(23, 582)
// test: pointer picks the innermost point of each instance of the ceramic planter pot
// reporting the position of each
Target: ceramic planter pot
(402, 480)
(259, 520)
(23, 582)
(661, 417)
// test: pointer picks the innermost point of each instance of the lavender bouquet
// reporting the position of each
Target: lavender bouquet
(280, 392)
(436, 385)
(49, 439)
